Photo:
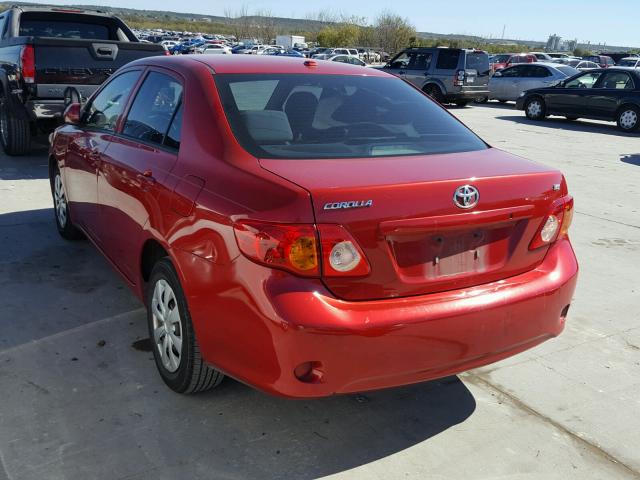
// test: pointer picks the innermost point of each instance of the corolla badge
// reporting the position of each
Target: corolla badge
(349, 204)
(466, 196)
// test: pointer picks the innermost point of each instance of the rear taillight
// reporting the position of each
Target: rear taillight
(28, 64)
(341, 255)
(288, 247)
(295, 248)
(555, 225)
(458, 79)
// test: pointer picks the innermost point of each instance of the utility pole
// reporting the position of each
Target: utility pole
(503, 29)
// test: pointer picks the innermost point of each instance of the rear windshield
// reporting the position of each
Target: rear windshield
(41, 28)
(628, 62)
(335, 116)
(478, 61)
(567, 70)
(58, 25)
(501, 58)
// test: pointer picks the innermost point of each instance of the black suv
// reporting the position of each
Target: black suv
(449, 75)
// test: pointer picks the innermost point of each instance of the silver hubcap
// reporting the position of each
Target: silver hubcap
(167, 325)
(60, 201)
(628, 119)
(534, 109)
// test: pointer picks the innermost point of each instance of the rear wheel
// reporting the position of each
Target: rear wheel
(535, 109)
(434, 92)
(15, 133)
(628, 118)
(462, 103)
(66, 228)
(175, 348)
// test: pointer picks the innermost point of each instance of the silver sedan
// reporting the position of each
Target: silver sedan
(507, 84)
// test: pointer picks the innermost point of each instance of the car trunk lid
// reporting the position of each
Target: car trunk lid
(401, 212)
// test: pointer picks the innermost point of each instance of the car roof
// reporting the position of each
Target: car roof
(251, 64)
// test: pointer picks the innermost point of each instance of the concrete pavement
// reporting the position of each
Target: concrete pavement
(72, 407)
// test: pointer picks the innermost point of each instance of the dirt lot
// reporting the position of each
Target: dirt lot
(80, 399)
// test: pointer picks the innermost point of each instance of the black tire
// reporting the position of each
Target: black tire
(535, 109)
(434, 92)
(482, 100)
(65, 226)
(192, 375)
(571, 118)
(15, 133)
(503, 101)
(462, 103)
(628, 118)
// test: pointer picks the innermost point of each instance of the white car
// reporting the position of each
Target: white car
(334, 51)
(254, 50)
(167, 44)
(215, 49)
(350, 59)
(271, 50)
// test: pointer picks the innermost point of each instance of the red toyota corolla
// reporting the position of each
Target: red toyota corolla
(311, 228)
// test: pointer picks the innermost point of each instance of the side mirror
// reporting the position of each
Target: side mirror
(497, 74)
(72, 114)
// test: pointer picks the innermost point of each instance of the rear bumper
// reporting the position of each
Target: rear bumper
(41, 109)
(358, 346)
(468, 93)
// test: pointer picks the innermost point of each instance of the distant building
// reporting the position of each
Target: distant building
(553, 44)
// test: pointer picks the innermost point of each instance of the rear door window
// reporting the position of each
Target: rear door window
(419, 61)
(153, 108)
(616, 81)
(512, 72)
(448, 59)
(539, 72)
(105, 109)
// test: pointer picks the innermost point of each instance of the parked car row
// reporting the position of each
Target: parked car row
(504, 60)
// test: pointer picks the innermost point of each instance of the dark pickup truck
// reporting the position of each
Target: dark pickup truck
(46, 50)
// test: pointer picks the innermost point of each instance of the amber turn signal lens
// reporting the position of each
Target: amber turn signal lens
(302, 254)
(567, 219)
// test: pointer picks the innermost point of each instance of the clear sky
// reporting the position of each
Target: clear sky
(614, 22)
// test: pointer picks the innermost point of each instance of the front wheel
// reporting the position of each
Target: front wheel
(535, 109)
(175, 348)
(628, 119)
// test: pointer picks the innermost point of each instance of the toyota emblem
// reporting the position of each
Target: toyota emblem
(466, 196)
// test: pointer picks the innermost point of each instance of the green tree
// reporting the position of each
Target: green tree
(393, 31)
